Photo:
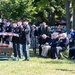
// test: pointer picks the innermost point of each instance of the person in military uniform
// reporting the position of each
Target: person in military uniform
(1, 30)
(18, 31)
(15, 40)
(7, 29)
(25, 39)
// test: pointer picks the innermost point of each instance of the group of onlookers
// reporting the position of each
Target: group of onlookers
(55, 41)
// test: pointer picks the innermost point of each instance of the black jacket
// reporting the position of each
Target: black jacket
(22, 36)
(16, 30)
(62, 42)
(54, 42)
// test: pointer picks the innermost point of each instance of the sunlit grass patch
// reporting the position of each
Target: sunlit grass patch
(37, 66)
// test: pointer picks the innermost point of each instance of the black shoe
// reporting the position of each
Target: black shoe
(26, 60)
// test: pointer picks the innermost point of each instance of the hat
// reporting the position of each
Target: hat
(44, 23)
(33, 26)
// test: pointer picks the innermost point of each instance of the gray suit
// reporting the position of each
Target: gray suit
(28, 34)
(28, 41)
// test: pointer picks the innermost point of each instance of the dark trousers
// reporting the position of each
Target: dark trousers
(71, 52)
(24, 50)
(16, 50)
(0, 38)
(54, 52)
(40, 50)
(5, 41)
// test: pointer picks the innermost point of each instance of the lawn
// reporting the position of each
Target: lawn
(37, 66)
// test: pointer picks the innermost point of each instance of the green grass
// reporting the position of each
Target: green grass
(37, 66)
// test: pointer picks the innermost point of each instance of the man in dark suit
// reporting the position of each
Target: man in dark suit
(43, 29)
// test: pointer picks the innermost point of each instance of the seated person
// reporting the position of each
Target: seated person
(72, 52)
(71, 47)
(50, 46)
(53, 44)
(44, 39)
(45, 45)
(62, 43)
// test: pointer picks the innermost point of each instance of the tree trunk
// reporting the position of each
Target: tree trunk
(51, 19)
(71, 14)
(67, 15)
(74, 15)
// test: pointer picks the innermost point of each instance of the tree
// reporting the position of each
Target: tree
(18, 9)
(74, 14)
(50, 10)
(68, 15)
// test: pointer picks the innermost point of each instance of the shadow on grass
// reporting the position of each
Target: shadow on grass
(32, 54)
(52, 61)
(3, 59)
(66, 70)
(7, 59)
(59, 61)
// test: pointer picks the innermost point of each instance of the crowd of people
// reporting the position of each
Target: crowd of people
(43, 37)
(55, 40)
(21, 28)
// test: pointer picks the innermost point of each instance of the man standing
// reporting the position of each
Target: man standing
(44, 29)
(1, 30)
(15, 39)
(7, 29)
(27, 34)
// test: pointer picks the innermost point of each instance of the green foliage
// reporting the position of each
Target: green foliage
(49, 7)
(17, 9)
(34, 10)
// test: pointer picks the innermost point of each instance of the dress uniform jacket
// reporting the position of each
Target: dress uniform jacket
(22, 36)
(15, 39)
(18, 31)
(7, 29)
(1, 29)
